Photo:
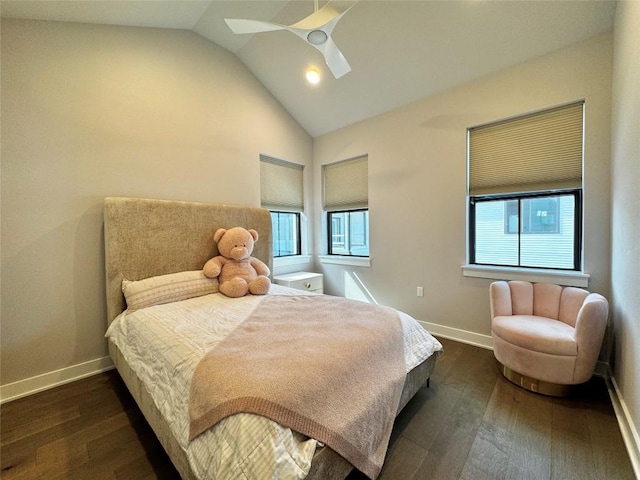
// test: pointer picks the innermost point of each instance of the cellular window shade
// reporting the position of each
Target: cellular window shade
(281, 186)
(541, 151)
(346, 184)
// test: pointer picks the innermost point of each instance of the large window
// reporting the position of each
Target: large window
(346, 203)
(525, 190)
(538, 230)
(281, 191)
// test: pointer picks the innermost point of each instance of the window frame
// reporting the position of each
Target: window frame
(330, 232)
(577, 231)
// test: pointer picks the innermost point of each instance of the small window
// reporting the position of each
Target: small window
(281, 192)
(286, 233)
(346, 201)
(349, 233)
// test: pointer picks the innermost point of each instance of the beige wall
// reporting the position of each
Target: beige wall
(625, 232)
(92, 111)
(417, 183)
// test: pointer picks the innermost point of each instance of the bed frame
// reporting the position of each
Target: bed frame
(145, 238)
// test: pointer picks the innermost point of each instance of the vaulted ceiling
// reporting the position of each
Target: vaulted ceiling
(399, 51)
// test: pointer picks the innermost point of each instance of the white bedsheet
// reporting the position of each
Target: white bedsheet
(164, 343)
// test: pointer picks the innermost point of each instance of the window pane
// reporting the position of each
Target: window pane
(338, 222)
(495, 244)
(524, 231)
(286, 233)
(548, 238)
(349, 233)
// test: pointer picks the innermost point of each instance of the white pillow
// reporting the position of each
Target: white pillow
(167, 288)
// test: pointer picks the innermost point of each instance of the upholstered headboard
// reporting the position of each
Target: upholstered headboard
(144, 238)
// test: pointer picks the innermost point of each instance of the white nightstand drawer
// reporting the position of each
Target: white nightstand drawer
(312, 282)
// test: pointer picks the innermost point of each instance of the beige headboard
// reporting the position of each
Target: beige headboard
(144, 238)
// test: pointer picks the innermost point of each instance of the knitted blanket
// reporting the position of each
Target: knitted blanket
(327, 367)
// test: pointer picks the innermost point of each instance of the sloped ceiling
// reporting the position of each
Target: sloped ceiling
(399, 51)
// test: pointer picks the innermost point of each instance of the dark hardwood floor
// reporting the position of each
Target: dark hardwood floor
(469, 424)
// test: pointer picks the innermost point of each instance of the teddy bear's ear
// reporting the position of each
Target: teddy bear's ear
(218, 235)
(254, 234)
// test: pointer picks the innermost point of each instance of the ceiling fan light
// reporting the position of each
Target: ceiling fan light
(317, 37)
(313, 76)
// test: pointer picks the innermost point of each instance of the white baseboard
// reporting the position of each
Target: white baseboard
(459, 335)
(28, 386)
(625, 422)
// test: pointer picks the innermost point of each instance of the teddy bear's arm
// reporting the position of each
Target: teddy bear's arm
(213, 267)
(260, 267)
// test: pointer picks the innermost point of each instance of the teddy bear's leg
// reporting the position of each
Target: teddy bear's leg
(260, 285)
(236, 287)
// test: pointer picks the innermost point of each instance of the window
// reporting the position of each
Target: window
(539, 231)
(525, 190)
(281, 191)
(346, 202)
(349, 233)
(286, 233)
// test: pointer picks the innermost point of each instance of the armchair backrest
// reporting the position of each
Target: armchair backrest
(542, 299)
(570, 304)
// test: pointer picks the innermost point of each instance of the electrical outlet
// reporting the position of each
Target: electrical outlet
(420, 292)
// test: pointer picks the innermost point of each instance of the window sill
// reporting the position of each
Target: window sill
(560, 277)
(345, 260)
(292, 260)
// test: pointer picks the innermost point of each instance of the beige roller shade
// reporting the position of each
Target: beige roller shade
(281, 185)
(346, 184)
(540, 151)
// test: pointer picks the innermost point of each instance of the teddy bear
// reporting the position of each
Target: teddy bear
(238, 272)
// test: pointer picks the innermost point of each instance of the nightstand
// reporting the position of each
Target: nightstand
(312, 282)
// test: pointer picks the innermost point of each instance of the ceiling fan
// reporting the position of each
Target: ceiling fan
(315, 29)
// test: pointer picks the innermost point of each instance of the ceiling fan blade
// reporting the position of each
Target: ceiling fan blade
(320, 18)
(335, 60)
(239, 25)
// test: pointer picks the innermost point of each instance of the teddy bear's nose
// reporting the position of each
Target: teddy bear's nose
(238, 252)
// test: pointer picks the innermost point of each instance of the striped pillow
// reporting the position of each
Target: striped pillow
(167, 288)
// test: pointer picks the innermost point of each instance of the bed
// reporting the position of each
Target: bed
(146, 240)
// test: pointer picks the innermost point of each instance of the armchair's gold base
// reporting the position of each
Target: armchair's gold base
(537, 386)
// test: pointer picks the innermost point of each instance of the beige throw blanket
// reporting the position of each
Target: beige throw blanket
(327, 367)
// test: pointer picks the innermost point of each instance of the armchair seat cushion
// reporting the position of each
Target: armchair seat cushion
(541, 334)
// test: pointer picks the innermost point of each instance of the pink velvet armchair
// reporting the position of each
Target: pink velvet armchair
(546, 337)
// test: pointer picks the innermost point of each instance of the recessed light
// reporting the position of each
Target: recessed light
(313, 76)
